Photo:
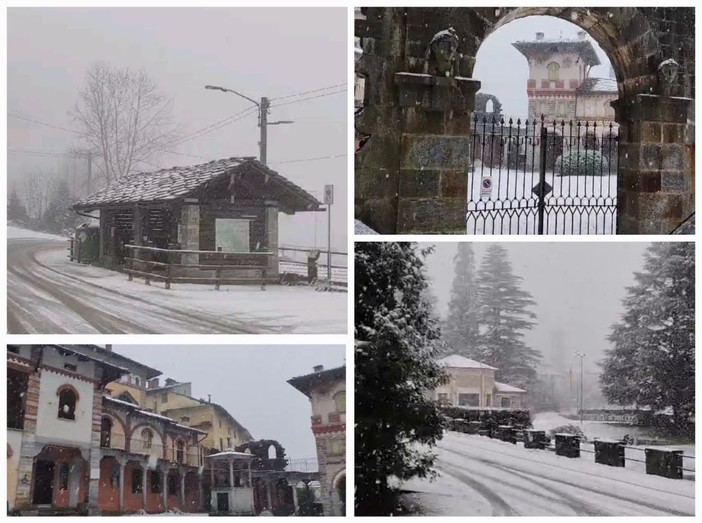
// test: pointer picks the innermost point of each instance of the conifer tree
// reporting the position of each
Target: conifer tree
(461, 330)
(504, 316)
(652, 360)
(395, 368)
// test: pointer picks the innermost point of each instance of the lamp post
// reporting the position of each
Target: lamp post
(263, 123)
(581, 355)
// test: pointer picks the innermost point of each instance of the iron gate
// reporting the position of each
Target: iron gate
(539, 177)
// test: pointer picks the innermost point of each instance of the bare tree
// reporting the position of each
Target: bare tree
(124, 118)
(38, 187)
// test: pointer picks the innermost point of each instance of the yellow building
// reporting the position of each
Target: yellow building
(175, 400)
(472, 384)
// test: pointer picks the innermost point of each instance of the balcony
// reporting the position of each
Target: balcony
(190, 457)
(112, 441)
(303, 465)
(146, 447)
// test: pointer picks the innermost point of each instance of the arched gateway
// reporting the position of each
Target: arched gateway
(411, 175)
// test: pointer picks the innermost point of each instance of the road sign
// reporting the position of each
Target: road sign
(537, 189)
(328, 194)
(486, 187)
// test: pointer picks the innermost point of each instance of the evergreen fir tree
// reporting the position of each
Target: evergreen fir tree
(504, 316)
(461, 331)
(395, 369)
(652, 361)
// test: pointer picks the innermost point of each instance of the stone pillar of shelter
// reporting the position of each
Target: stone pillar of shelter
(272, 238)
(411, 174)
(190, 231)
(656, 144)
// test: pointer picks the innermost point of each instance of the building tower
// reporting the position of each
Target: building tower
(559, 85)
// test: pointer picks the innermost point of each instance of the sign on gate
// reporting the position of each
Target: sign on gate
(486, 187)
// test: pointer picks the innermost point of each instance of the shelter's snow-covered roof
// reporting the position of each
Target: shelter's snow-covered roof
(503, 387)
(178, 182)
(461, 362)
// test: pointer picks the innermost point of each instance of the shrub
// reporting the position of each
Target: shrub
(581, 163)
(569, 429)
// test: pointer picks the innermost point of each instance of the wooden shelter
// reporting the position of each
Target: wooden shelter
(226, 206)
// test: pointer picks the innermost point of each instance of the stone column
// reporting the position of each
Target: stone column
(122, 461)
(655, 182)
(296, 503)
(182, 488)
(231, 473)
(165, 469)
(144, 468)
(272, 238)
(95, 454)
(25, 473)
(190, 230)
(269, 497)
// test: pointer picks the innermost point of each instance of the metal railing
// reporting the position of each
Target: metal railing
(303, 465)
(155, 263)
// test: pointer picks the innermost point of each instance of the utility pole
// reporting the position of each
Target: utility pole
(581, 355)
(263, 123)
(329, 200)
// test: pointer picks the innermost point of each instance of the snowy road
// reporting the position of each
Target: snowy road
(46, 294)
(484, 477)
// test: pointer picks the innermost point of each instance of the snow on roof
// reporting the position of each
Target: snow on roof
(178, 182)
(231, 453)
(460, 362)
(546, 48)
(503, 387)
(598, 85)
(139, 410)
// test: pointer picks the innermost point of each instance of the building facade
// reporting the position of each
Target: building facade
(73, 449)
(472, 384)
(326, 390)
(559, 86)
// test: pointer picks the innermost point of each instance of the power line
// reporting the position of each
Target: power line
(309, 92)
(309, 98)
(43, 123)
(310, 159)
(213, 127)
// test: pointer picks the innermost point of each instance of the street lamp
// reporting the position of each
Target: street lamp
(263, 110)
(581, 355)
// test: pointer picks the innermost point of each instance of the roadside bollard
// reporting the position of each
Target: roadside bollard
(609, 452)
(567, 445)
(664, 462)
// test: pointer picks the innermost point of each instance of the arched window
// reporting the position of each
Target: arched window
(553, 70)
(272, 452)
(180, 452)
(105, 432)
(67, 402)
(340, 400)
(148, 437)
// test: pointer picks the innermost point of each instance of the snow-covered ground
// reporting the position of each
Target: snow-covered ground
(511, 207)
(484, 477)
(49, 294)
(16, 232)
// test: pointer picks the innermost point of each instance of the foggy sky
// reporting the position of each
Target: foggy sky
(250, 382)
(578, 288)
(503, 71)
(255, 51)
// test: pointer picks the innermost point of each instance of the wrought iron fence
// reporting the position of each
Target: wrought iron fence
(542, 177)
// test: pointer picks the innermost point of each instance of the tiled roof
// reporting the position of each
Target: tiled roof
(177, 182)
(598, 85)
(457, 361)
(546, 48)
(503, 387)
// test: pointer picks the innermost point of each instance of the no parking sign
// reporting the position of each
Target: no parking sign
(486, 187)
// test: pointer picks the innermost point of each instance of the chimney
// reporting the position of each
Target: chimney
(170, 381)
(108, 348)
(318, 368)
(539, 36)
(153, 383)
(582, 35)
(209, 398)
